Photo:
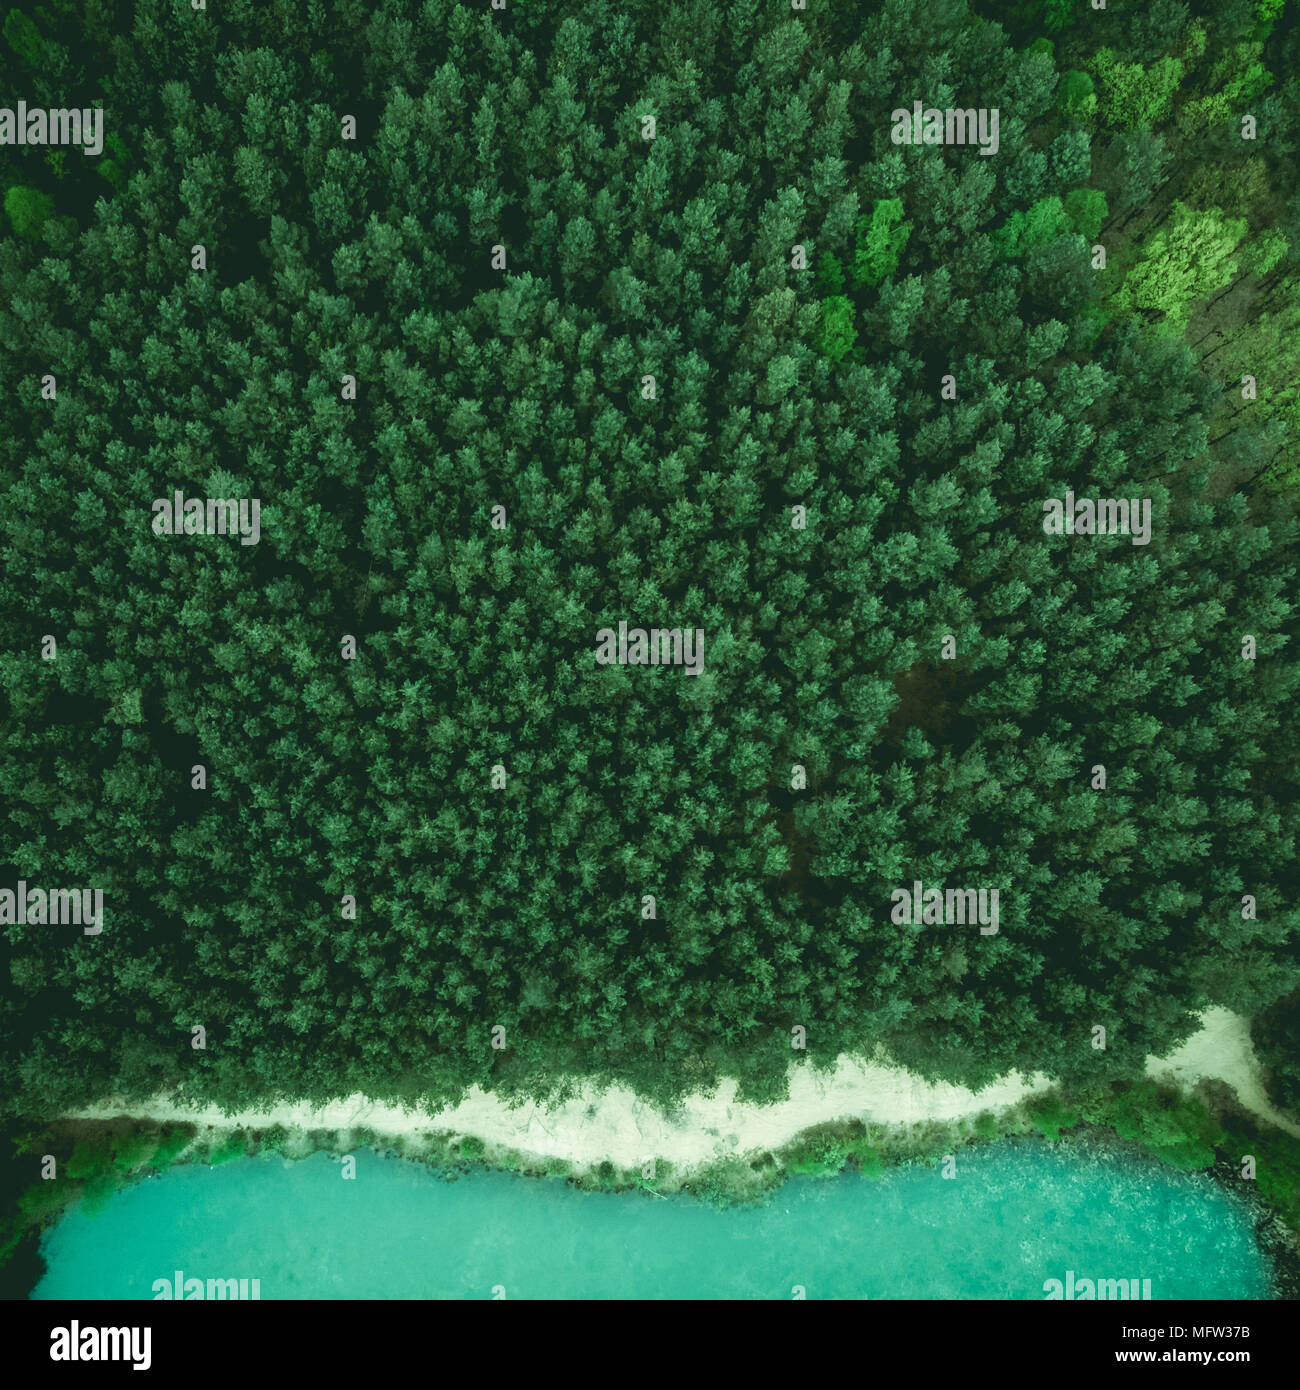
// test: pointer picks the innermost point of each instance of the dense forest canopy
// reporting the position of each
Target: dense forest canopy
(521, 324)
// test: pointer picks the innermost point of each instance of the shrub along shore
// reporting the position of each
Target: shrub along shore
(1207, 1129)
(1207, 1133)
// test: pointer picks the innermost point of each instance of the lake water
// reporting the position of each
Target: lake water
(1017, 1213)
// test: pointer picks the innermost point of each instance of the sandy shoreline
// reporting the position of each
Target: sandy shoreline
(616, 1124)
(1222, 1050)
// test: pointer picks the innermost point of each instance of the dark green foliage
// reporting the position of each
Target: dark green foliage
(830, 274)
(522, 388)
(93, 1159)
(42, 1200)
(1050, 1114)
(1177, 1129)
(1277, 1043)
(817, 1154)
(869, 1163)
(1058, 13)
(133, 1150)
(24, 38)
(97, 1192)
(1277, 1170)
(1085, 210)
(986, 1125)
(271, 1141)
(227, 1148)
(172, 1141)
(28, 209)
(113, 165)
(89, 1157)
(1076, 95)
(827, 1149)
(731, 1182)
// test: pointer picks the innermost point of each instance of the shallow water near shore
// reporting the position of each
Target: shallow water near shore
(1017, 1214)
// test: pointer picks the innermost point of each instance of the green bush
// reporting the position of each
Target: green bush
(1086, 210)
(43, 1200)
(89, 1157)
(1077, 96)
(1050, 1115)
(28, 209)
(133, 1150)
(97, 1193)
(172, 1140)
(730, 1182)
(1277, 1171)
(1276, 1035)
(1177, 1129)
(830, 274)
(816, 1153)
(227, 1148)
(272, 1141)
(868, 1162)
(25, 39)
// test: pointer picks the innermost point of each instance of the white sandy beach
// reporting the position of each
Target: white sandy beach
(615, 1124)
(1222, 1050)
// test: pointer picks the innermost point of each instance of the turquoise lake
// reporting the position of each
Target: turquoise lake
(1016, 1214)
